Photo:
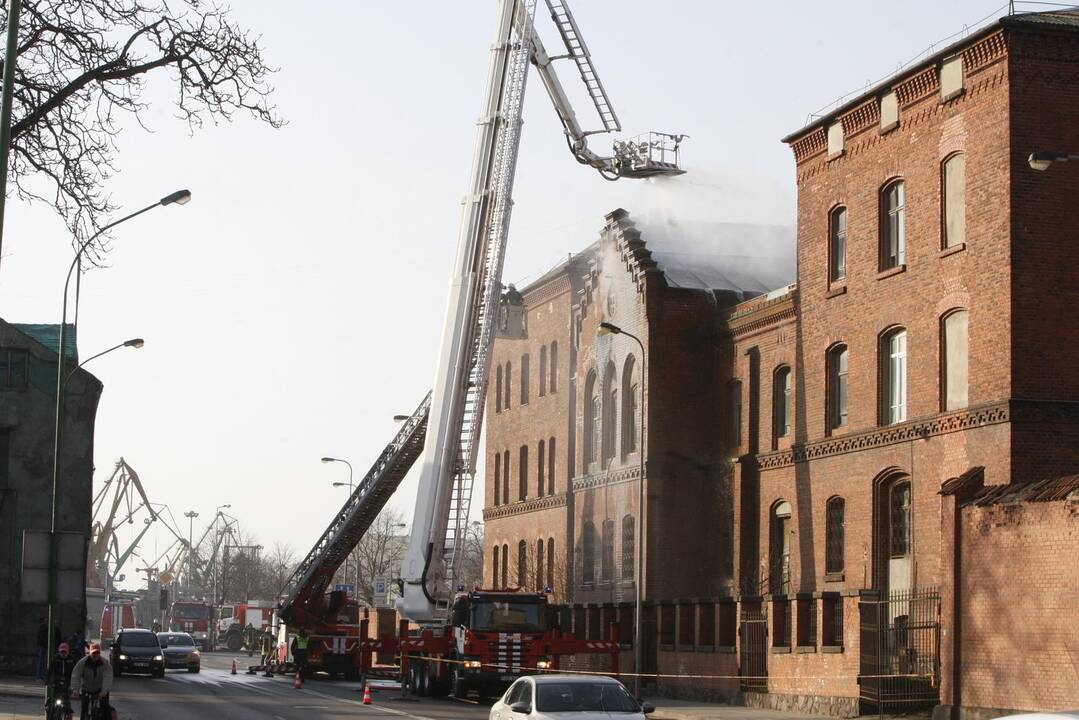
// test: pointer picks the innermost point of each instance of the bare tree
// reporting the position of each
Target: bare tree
(472, 560)
(279, 564)
(378, 554)
(81, 69)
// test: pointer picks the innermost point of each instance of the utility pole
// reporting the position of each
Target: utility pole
(10, 55)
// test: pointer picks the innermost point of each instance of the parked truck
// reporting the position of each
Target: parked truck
(242, 624)
(116, 616)
(193, 618)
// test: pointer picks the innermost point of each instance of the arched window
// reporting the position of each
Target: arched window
(591, 420)
(629, 530)
(899, 514)
(837, 386)
(837, 247)
(505, 565)
(522, 564)
(834, 531)
(554, 366)
(607, 559)
(540, 565)
(524, 379)
(494, 568)
(523, 474)
(893, 232)
(543, 371)
(630, 405)
(779, 550)
(541, 458)
(734, 413)
(550, 563)
(506, 476)
(954, 193)
(550, 466)
(954, 357)
(893, 372)
(498, 389)
(498, 479)
(610, 411)
(781, 401)
(588, 554)
(509, 384)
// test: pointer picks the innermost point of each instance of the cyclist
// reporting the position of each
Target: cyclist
(92, 677)
(58, 676)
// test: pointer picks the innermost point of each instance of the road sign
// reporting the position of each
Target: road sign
(165, 577)
(382, 594)
(347, 588)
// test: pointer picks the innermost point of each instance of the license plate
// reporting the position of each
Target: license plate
(142, 664)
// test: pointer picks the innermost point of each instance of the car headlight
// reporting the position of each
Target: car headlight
(158, 657)
(123, 657)
(543, 664)
(195, 653)
(473, 664)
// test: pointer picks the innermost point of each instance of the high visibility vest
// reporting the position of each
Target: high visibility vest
(301, 642)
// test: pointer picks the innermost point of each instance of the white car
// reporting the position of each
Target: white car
(557, 697)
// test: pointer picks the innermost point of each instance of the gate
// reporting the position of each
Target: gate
(753, 650)
(900, 649)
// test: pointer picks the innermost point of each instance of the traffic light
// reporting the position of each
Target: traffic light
(164, 598)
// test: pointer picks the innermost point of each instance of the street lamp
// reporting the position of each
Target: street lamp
(190, 515)
(133, 343)
(180, 197)
(606, 328)
(1044, 159)
(355, 560)
(214, 604)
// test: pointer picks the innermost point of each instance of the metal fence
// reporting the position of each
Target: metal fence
(753, 653)
(900, 649)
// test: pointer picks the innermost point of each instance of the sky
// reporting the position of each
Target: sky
(294, 306)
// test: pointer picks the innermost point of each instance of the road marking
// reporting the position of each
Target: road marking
(380, 708)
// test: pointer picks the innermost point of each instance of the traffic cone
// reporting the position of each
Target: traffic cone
(298, 682)
(366, 694)
(233, 666)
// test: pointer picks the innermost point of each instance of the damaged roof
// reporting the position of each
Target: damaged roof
(49, 336)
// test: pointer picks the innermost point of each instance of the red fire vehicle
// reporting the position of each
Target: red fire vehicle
(193, 618)
(114, 617)
(234, 619)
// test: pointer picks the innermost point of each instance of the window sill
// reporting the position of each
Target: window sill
(952, 95)
(838, 430)
(831, 648)
(836, 291)
(898, 269)
(705, 648)
(836, 155)
(726, 649)
(833, 577)
(807, 648)
(952, 250)
(781, 649)
(885, 129)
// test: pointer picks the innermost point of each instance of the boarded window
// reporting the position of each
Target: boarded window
(837, 386)
(781, 402)
(835, 139)
(550, 466)
(509, 384)
(834, 531)
(889, 112)
(505, 565)
(506, 476)
(607, 559)
(951, 77)
(541, 458)
(899, 513)
(13, 368)
(554, 366)
(522, 564)
(894, 377)
(543, 371)
(610, 412)
(498, 389)
(954, 357)
(893, 231)
(550, 563)
(734, 412)
(955, 200)
(629, 408)
(498, 478)
(494, 568)
(588, 553)
(592, 421)
(837, 252)
(522, 478)
(524, 379)
(628, 547)
(540, 565)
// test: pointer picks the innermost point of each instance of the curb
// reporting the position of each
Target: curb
(13, 691)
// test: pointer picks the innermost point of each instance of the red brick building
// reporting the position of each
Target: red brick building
(861, 489)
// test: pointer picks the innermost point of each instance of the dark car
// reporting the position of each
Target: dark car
(136, 650)
(180, 651)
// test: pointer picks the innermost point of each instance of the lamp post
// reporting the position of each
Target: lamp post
(1044, 159)
(355, 561)
(214, 604)
(606, 328)
(190, 515)
(180, 197)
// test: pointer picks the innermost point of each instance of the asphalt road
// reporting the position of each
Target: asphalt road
(216, 693)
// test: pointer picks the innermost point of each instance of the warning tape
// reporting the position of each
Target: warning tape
(683, 676)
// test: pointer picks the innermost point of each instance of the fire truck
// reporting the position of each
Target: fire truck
(479, 639)
(234, 619)
(116, 616)
(193, 618)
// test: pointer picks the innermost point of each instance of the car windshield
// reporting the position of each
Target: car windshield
(175, 640)
(494, 616)
(142, 639)
(583, 697)
(191, 612)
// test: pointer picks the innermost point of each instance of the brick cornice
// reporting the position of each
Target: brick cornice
(745, 322)
(613, 477)
(519, 508)
(548, 290)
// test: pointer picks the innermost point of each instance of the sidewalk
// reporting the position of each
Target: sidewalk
(21, 686)
(668, 709)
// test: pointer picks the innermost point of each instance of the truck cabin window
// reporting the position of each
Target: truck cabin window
(193, 612)
(507, 617)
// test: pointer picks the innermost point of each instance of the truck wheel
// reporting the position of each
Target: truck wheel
(234, 642)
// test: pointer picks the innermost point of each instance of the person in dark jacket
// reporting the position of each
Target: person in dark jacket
(93, 676)
(299, 650)
(58, 676)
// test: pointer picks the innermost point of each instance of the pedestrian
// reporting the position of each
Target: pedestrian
(42, 647)
(58, 677)
(91, 677)
(77, 643)
(299, 650)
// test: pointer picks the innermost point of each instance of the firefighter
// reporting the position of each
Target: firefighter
(299, 650)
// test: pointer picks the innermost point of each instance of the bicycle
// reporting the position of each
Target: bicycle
(58, 707)
(91, 705)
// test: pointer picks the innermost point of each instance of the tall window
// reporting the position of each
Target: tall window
(494, 568)
(509, 384)
(953, 359)
(13, 368)
(543, 371)
(554, 366)
(834, 529)
(539, 569)
(837, 386)
(550, 466)
(607, 560)
(837, 250)
(541, 458)
(779, 550)
(781, 401)
(505, 565)
(523, 474)
(588, 553)
(524, 379)
(610, 411)
(629, 530)
(899, 527)
(522, 564)
(629, 408)
(894, 377)
(550, 563)
(893, 232)
(734, 412)
(591, 420)
(498, 389)
(506, 476)
(954, 179)
(498, 479)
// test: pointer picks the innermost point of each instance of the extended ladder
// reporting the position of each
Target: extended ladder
(309, 581)
(577, 51)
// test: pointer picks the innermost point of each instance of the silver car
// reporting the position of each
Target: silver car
(180, 651)
(560, 697)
